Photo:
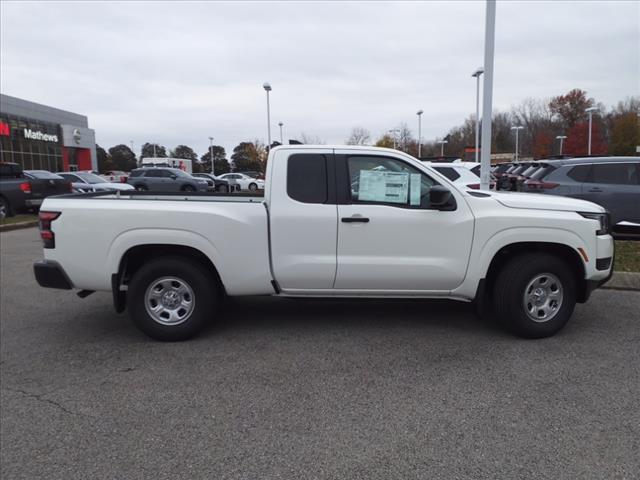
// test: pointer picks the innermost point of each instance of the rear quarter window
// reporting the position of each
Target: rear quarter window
(448, 172)
(579, 173)
(307, 177)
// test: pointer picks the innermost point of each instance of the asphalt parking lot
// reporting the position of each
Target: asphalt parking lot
(311, 389)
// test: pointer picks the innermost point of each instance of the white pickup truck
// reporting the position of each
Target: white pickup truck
(333, 222)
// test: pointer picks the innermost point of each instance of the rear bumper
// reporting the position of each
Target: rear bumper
(33, 202)
(50, 274)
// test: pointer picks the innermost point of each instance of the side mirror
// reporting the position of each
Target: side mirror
(441, 198)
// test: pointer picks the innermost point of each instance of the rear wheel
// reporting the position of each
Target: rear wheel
(5, 208)
(253, 187)
(534, 295)
(141, 188)
(171, 298)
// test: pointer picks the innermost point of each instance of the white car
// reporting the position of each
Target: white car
(341, 222)
(83, 182)
(457, 174)
(243, 182)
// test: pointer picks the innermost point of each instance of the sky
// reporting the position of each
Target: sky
(179, 72)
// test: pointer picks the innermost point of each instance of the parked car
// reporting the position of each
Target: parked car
(253, 174)
(612, 182)
(244, 182)
(461, 174)
(216, 184)
(15, 190)
(508, 180)
(406, 231)
(44, 184)
(165, 180)
(115, 176)
(83, 182)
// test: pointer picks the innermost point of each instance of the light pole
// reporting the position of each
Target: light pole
(442, 142)
(267, 88)
(211, 154)
(419, 113)
(517, 129)
(590, 111)
(487, 94)
(280, 125)
(561, 138)
(477, 74)
(393, 132)
(154, 150)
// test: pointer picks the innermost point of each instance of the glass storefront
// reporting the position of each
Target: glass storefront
(31, 153)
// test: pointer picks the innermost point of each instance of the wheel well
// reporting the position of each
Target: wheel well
(563, 252)
(137, 256)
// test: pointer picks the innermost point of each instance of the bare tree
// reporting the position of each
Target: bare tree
(359, 136)
(308, 139)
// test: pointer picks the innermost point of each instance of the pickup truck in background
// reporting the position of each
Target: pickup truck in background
(25, 190)
(341, 221)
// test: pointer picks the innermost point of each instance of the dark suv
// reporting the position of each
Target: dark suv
(613, 182)
(165, 180)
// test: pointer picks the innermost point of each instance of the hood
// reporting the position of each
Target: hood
(112, 186)
(544, 202)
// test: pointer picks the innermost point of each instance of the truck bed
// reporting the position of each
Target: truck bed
(231, 229)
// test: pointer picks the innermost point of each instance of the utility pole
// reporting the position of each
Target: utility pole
(419, 113)
(267, 88)
(477, 74)
(516, 129)
(211, 155)
(590, 111)
(487, 95)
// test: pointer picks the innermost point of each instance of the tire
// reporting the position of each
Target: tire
(5, 208)
(182, 293)
(141, 188)
(526, 280)
(253, 187)
(188, 188)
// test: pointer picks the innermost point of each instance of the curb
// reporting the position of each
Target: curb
(623, 281)
(16, 226)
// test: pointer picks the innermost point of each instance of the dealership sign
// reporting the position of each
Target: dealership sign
(38, 135)
(5, 130)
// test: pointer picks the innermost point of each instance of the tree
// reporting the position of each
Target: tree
(220, 162)
(385, 141)
(307, 139)
(123, 158)
(248, 156)
(182, 151)
(578, 139)
(569, 109)
(359, 136)
(105, 163)
(543, 145)
(625, 134)
(148, 151)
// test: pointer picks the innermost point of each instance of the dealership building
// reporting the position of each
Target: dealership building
(39, 137)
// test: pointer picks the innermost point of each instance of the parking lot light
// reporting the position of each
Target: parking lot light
(477, 74)
(590, 111)
(419, 113)
(211, 155)
(561, 138)
(267, 88)
(442, 142)
(517, 128)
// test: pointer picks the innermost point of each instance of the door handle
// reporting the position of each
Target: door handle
(595, 190)
(355, 220)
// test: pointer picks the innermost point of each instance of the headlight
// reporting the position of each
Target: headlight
(602, 218)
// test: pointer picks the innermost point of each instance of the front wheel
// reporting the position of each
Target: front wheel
(534, 295)
(253, 187)
(171, 298)
(188, 188)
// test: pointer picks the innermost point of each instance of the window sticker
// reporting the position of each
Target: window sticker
(387, 187)
(415, 189)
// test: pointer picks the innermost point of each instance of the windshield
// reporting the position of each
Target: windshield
(43, 174)
(90, 177)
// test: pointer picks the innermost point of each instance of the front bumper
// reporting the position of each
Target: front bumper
(50, 274)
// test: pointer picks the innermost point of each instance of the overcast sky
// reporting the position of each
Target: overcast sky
(177, 73)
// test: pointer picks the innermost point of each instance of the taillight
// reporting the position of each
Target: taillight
(48, 237)
(475, 186)
(123, 179)
(538, 185)
(25, 187)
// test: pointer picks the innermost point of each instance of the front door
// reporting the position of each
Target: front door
(389, 236)
(615, 186)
